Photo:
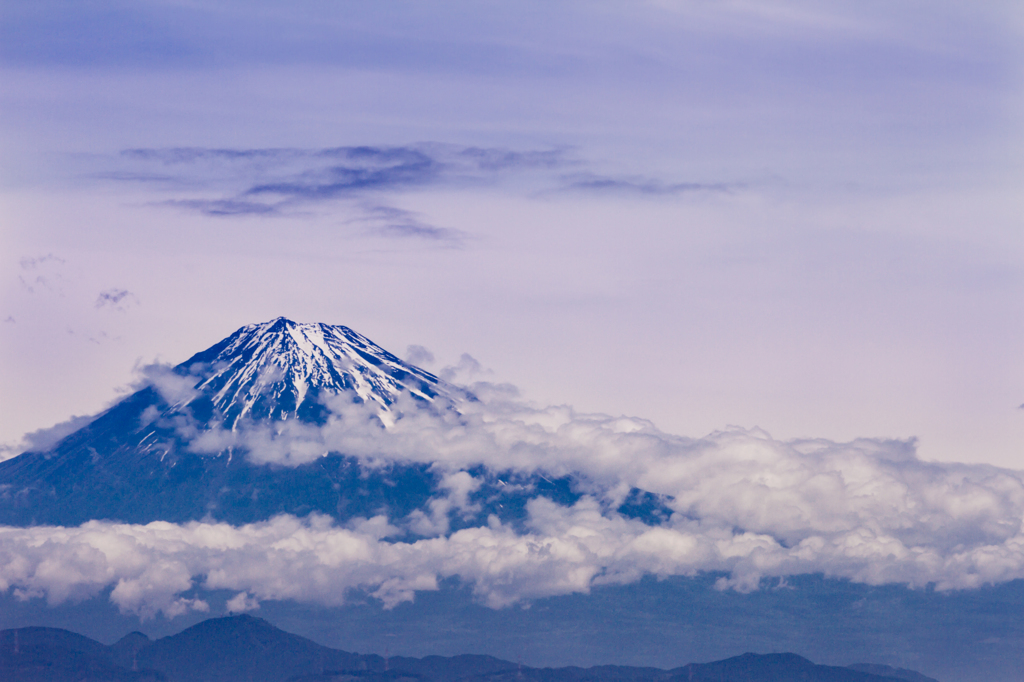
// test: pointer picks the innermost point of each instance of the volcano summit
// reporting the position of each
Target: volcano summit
(280, 369)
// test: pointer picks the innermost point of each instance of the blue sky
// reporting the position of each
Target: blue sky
(799, 216)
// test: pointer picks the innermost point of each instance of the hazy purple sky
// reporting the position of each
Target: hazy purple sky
(803, 216)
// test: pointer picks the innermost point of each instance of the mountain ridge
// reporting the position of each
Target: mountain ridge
(245, 648)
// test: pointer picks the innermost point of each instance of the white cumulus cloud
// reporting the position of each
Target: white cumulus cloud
(156, 567)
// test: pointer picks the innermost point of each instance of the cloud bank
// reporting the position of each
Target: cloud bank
(155, 568)
(742, 503)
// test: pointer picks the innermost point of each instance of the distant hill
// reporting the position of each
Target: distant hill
(248, 649)
(889, 671)
(773, 668)
(55, 655)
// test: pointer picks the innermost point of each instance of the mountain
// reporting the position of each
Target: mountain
(889, 671)
(243, 648)
(280, 370)
(135, 462)
(55, 655)
(248, 649)
(138, 462)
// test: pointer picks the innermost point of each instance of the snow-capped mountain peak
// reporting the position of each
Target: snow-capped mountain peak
(280, 369)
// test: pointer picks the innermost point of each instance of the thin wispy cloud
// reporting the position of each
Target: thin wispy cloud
(34, 262)
(352, 169)
(224, 207)
(116, 299)
(282, 180)
(41, 274)
(641, 185)
(389, 221)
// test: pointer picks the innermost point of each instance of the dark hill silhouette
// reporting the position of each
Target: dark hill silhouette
(248, 649)
(769, 668)
(55, 655)
(442, 669)
(358, 676)
(889, 671)
(125, 652)
(242, 648)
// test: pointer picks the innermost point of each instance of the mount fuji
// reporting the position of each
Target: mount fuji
(175, 449)
(279, 369)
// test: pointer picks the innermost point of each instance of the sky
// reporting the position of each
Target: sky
(803, 217)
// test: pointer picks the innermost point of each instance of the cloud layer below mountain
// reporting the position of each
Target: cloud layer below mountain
(743, 503)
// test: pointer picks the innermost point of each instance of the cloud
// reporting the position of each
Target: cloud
(41, 273)
(224, 207)
(282, 180)
(116, 299)
(242, 602)
(434, 520)
(738, 501)
(279, 181)
(32, 263)
(42, 440)
(174, 388)
(156, 568)
(465, 369)
(389, 221)
(791, 490)
(418, 355)
(639, 185)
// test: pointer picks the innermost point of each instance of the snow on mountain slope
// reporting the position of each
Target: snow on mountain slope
(281, 369)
